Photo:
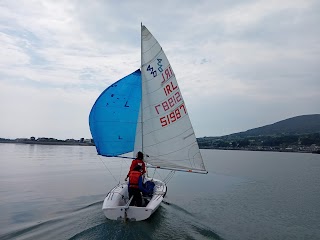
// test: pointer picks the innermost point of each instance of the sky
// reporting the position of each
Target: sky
(239, 64)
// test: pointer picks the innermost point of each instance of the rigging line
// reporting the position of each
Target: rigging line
(107, 168)
(169, 176)
(147, 172)
(173, 172)
(142, 87)
(120, 170)
(161, 177)
(169, 179)
(154, 172)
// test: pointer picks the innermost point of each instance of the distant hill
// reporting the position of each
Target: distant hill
(304, 124)
(297, 134)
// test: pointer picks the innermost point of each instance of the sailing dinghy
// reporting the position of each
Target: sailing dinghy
(145, 112)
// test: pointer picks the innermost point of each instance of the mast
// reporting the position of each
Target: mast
(141, 106)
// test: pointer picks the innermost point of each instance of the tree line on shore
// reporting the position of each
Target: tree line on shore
(51, 141)
(283, 142)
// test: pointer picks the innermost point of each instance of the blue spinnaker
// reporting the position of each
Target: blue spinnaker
(113, 117)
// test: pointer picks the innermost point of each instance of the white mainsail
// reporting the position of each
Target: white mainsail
(165, 134)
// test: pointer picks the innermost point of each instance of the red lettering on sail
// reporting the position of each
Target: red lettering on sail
(167, 74)
(173, 116)
(165, 106)
(169, 88)
(169, 103)
(156, 107)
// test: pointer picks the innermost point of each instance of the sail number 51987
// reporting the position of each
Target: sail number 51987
(173, 116)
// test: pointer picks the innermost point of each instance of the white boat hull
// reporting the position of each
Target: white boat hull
(115, 205)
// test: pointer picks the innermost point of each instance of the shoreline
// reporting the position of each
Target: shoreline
(50, 143)
(264, 150)
(62, 143)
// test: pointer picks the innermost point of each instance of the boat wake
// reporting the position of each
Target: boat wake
(171, 221)
(63, 225)
(191, 226)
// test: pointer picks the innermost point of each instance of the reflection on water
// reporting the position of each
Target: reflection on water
(56, 192)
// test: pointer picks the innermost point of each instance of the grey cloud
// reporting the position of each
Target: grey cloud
(241, 63)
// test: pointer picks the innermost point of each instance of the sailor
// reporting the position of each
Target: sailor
(138, 161)
(135, 186)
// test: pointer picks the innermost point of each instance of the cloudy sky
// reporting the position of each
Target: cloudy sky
(239, 64)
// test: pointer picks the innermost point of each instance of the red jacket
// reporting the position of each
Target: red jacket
(138, 162)
(134, 179)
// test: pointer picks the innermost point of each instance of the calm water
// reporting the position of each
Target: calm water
(56, 192)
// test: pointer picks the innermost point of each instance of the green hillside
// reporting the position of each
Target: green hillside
(304, 124)
(297, 134)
